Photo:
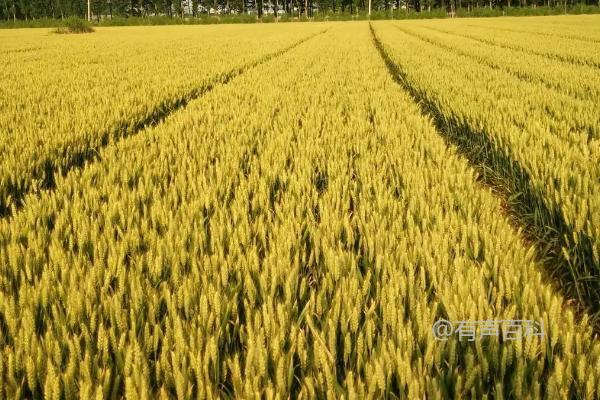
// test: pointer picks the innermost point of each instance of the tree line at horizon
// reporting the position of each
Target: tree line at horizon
(35, 9)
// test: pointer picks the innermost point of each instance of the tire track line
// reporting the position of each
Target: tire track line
(48, 172)
(542, 226)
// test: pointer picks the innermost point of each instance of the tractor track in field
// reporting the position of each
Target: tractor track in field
(556, 35)
(552, 57)
(48, 172)
(523, 77)
(524, 206)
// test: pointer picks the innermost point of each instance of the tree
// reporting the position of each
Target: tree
(34, 9)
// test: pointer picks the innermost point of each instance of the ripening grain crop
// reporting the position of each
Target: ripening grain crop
(295, 232)
(539, 138)
(65, 96)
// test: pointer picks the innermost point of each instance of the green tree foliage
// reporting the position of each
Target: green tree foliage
(35, 9)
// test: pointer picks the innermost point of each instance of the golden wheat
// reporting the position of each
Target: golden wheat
(296, 237)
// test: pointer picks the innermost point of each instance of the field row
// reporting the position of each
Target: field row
(295, 239)
(78, 94)
(582, 27)
(541, 146)
(563, 45)
(579, 81)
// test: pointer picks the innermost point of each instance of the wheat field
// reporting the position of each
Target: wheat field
(285, 210)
